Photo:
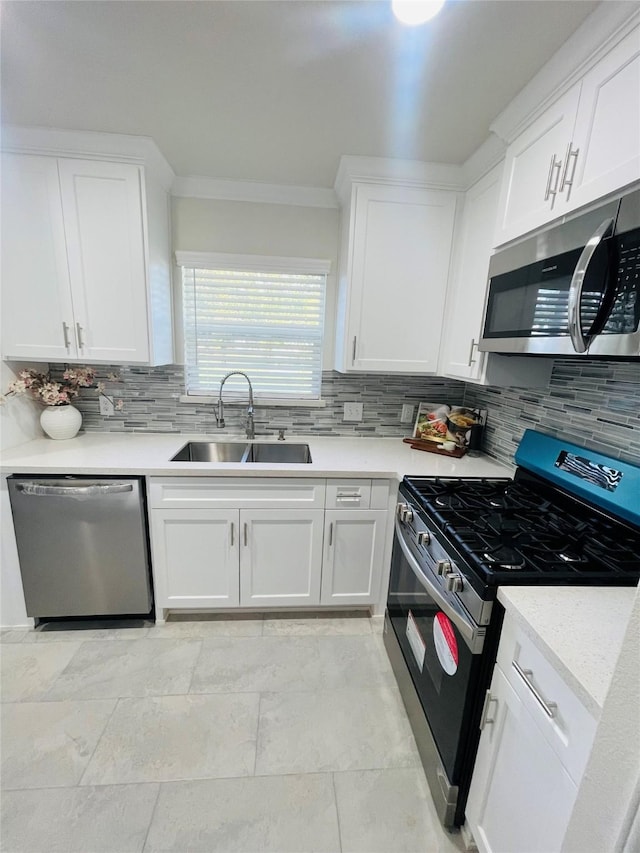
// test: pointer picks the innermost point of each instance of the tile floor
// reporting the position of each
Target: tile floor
(246, 734)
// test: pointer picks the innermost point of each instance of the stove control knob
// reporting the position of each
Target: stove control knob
(405, 513)
(424, 537)
(453, 581)
(443, 566)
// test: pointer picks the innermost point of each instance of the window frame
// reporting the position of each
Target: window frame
(249, 263)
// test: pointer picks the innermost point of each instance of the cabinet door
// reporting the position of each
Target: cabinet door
(280, 557)
(534, 163)
(465, 307)
(353, 552)
(103, 217)
(195, 558)
(606, 140)
(521, 796)
(36, 297)
(399, 268)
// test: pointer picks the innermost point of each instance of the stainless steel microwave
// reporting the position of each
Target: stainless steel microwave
(573, 289)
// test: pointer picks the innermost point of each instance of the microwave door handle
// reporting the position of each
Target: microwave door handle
(580, 344)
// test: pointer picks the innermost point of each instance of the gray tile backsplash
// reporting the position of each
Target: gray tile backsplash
(151, 403)
(591, 403)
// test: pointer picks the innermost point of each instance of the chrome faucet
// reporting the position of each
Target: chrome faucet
(251, 431)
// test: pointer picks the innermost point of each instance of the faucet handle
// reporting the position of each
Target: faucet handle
(281, 432)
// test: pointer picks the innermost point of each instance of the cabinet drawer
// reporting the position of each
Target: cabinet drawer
(571, 728)
(357, 494)
(237, 492)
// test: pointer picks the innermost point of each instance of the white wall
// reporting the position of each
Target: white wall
(604, 816)
(19, 422)
(205, 225)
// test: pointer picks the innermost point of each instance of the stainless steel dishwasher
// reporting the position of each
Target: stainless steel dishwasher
(82, 545)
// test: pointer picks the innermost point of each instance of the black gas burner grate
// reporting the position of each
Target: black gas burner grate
(512, 531)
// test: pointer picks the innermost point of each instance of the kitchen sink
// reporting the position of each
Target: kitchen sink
(238, 451)
(282, 453)
(211, 451)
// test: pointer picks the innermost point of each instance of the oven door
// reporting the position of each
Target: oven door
(442, 648)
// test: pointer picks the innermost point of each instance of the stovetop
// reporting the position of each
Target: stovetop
(524, 531)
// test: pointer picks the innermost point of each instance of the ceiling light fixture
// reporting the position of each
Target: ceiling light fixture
(414, 12)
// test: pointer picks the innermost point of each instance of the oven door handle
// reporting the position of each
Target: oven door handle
(473, 635)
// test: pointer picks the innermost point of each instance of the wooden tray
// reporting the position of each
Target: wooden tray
(432, 447)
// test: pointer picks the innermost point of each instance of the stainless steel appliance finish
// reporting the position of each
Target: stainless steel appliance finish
(82, 545)
(230, 451)
(569, 516)
(573, 289)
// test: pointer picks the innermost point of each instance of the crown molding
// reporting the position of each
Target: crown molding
(221, 189)
(141, 150)
(595, 37)
(483, 160)
(406, 173)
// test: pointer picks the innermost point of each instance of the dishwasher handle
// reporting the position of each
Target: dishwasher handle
(89, 491)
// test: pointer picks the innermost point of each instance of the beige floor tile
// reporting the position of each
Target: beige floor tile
(217, 626)
(281, 814)
(322, 731)
(29, 670)
(167, 738)
(288, 664)
(389, 810)
(77, 820)
(319, 626)
(49, 744)
(110, 669)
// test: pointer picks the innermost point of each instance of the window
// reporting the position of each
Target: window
(261, 315)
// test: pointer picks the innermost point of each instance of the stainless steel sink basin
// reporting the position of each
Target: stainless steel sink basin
(239, 451)
(278, 453)
(211, 451)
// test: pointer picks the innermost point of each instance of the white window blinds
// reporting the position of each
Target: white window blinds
(269, 324)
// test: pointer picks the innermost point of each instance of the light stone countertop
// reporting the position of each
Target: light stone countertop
(149, 454)
(578, 629)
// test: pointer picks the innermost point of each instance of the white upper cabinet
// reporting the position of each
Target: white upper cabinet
(467, 292)
(533, 169)
(85, 262)
(394, 267)
(606, 138)
(37, 311)
(586, 145)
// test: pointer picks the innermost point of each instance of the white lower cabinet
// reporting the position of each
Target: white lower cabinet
(521, 796)
(535, 743)
(353, 555)
(195, 557)
(267, 542)
(280, 557)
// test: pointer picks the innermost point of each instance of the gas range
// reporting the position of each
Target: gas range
(569, 516)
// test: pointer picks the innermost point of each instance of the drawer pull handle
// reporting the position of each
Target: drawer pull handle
(232, 533)
(348, 497)
(485, 719)
(331, 534)
(246, 533)
(550, 708)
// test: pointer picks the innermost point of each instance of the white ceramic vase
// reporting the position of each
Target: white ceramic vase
(61, 422)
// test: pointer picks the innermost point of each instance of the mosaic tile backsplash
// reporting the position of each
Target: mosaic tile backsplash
(151, 403)
(591, 403)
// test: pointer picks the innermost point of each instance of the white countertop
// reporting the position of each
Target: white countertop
(578, 629)
(149, 454)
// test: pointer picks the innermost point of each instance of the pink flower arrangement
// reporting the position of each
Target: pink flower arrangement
(45, 390)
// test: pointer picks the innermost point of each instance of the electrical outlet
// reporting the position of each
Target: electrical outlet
(407, 413)
(352, 412)
(106, 405)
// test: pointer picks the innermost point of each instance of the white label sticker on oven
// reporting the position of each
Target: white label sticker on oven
(446, 643)
(418, 645)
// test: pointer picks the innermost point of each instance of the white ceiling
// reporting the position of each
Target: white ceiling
(273, 91)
